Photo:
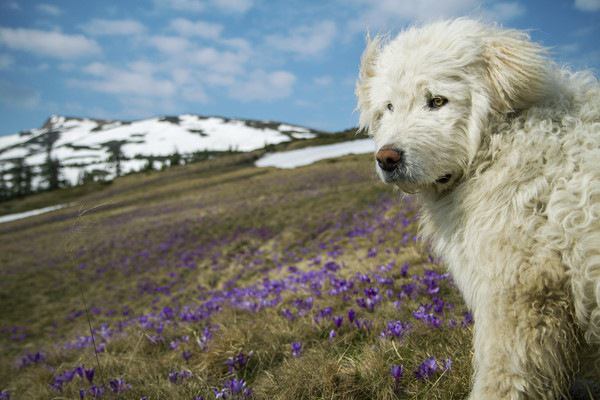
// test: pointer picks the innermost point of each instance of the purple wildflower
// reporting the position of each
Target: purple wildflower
(119, 385)
(96, 391)
(4, 395)
(331, 266)
(467, 319)
(397, 371)
(351, 315)
(332, 334)
(337, 321)
(404, 270)
(89, 374)
(234, 389)
(238, 362)
(296, 349)
(179, 376)
(395, 329)
(29, 359)
(427, 368)
(186, 355)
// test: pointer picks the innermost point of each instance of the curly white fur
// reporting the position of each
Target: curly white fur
(518, 223)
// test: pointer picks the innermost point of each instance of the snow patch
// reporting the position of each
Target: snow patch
(31, 213)
(309, 155)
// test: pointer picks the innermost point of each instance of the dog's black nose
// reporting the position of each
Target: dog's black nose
(388, 158)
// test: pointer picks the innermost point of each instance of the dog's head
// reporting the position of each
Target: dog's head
(426, 97)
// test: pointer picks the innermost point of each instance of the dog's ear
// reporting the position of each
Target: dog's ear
(367, 71)
(516, 70)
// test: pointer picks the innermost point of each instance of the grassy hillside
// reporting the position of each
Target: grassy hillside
(70, 194)
(305, 284)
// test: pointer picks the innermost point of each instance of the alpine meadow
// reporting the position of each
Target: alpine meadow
(223, 280)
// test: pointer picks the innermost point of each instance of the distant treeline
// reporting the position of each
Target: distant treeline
(18, 179)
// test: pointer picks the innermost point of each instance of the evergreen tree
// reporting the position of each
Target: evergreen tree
(4, 191)
(17, 173)
(116, 155)
(51, 173)
(149, 164)
(175, 159)
(27, 179)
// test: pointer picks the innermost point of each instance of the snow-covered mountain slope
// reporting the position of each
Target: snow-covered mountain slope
(86, 145)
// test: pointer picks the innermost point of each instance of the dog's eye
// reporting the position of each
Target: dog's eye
(437, 102)
(390, 106)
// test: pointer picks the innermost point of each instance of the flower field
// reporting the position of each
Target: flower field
(223, 280)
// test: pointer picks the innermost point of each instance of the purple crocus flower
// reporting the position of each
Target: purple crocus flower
(351, 315)
(96, 391)
(395, 329)
(332, 334)
(397, 371)
(89, 374)
(296, 349)
(427, 368)
(337, 321)
(467, 319)
(119, 385)
(4, 395)
(404, 270)
(234, 389)
(238, 362)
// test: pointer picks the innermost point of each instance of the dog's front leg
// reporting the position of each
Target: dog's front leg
(525, 345)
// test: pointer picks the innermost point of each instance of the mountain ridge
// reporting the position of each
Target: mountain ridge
(104, 148)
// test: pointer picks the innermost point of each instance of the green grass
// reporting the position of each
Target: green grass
(192, 233)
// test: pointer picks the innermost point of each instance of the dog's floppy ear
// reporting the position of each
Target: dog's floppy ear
(516, 70)
(367, 71)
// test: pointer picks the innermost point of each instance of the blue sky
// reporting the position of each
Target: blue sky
(293, 61)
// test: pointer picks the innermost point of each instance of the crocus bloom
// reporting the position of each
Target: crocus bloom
(296, 349)
(427, 369)
(397, 371)
(119, 385)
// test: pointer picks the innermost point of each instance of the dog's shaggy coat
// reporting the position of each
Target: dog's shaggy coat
(517, 217)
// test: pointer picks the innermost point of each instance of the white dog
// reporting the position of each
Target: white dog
(503, 149)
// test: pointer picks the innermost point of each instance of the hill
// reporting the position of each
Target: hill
(93, 149)
(223, 280)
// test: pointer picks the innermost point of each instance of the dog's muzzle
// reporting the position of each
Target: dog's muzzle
(389, 158)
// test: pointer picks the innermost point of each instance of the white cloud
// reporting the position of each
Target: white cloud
(305, 40)
(264, 86)
(49, 9)
(174, 45)
(505, 11)
(587, 5)
(236, 6)
(181, 5)
(6, 61)
(138, 79)
(48, 43)
(113, 27)
(17, 95)
(202, 29)
(226, 6)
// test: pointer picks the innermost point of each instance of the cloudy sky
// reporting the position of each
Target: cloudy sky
(289, 60)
